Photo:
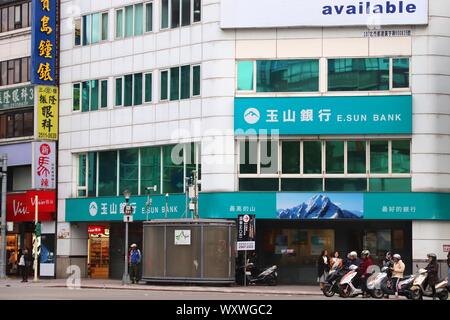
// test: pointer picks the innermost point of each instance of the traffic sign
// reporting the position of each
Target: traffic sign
(127, 218)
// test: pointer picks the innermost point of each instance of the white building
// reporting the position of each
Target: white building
(359, 109)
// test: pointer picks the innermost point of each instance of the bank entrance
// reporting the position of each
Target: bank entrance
(296, 245)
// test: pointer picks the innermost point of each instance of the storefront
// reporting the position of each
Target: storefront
(20, 216)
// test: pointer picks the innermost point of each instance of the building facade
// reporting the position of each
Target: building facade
(331, 129)
(28, 126)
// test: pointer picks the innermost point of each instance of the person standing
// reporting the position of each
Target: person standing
(366, 262)
(24, 264)
(448, 271)
(335, 261)
(397, 272)
(323, 267)
(134, 260)
(389, 263)
(433, 269)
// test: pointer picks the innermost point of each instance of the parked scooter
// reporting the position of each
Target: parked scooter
(331, 286)
(403, 286)
(252, 277)
(349, 286)
(420, 287)
(374, 283)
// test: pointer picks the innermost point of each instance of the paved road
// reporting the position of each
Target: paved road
(43, 293)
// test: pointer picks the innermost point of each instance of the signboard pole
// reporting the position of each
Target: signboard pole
(36, 244)
(245, 268)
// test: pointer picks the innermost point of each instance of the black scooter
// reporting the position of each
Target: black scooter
(252, 275)
(331, 286)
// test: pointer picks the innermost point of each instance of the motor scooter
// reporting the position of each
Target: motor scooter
(268, 276)
(374, 283)
(420, 287)
(331, 286)
(349, 286)
(403, 285)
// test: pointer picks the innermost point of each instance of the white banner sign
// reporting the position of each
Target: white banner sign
(182, 237)
(321, 13)
(44, 165)
(246, 245)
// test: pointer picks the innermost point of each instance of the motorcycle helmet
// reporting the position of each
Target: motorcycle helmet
(432, 255)
(388, 255)
(365, 253)
(397, 256)
(353, 254)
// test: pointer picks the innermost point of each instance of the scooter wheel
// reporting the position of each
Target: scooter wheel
(443, 295)
(416, 295)
(377, 293)
(345, 291)
(328, 291)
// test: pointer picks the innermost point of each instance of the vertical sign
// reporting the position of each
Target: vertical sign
(246, 232)
(44, 165)
(47, 113)
(43, 42)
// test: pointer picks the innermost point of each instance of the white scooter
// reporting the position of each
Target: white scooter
(346, 285)
(420, 287)
(374, 283)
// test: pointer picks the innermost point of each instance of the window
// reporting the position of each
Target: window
(94, 94)
(119, 91)
(248, 150)
(15, 16)
(129, 21)
(401, 156)
(91, 29)
(346, 184)
(174, 83)
(137, 89)
(196, 79)
(264, 184)
(76, 97)
(291, 157)
(362, 74)
(150, 168)
(148, 17)
(379, 157)
(128, 164)
(268, 157)
(16, 124)
(148, 87)
(138, 19)
(356, 156)
(309, 184)
(119, 23)
(312, 157)
(287, 75)
(107, 173)
(335, 156)
(164, 85)
(179, 12)
(400, 71)
(185, 82)
(128, 90)
(15, 71)
(245, 75)
(92, 174)
(390, 184)
(82, 174)
(173, 169)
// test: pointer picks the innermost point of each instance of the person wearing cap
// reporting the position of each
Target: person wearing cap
(397, 271)
(134, 261)
(432, 269)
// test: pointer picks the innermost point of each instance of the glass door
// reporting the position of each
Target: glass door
(98, 256)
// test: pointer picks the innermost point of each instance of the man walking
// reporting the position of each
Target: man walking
(135, 260)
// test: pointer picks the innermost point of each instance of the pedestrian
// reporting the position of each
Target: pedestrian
(335, 261)
(397, 271)
(323, 267)
(24, 264)
(448, 271)
(432, 269)
(366, 262)
(134, 260)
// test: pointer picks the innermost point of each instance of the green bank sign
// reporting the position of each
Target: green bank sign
(269, 205)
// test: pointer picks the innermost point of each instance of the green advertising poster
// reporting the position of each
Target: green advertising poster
(17, 97)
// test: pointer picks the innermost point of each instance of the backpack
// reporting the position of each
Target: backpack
(135, 256)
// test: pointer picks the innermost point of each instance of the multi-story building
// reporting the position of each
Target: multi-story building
(326, 122)
(28, 126)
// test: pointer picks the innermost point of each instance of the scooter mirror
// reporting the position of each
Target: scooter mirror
(417, 266)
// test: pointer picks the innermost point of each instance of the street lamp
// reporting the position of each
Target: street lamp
(128, 210)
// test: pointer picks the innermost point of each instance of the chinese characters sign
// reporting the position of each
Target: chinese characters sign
(43, 43)
(323, 115)
(44, 165)
(47, 113)
(17, 97)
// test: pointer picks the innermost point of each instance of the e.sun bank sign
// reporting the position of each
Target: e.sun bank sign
(321, 13)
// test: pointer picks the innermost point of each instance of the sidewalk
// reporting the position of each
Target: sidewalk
(117, 284)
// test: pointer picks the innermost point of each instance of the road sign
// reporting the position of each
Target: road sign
(127, 218)
(446, 247)
(246, 232)
(128, 209)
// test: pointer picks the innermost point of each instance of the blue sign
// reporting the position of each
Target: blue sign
(323, 115)
(43, 42)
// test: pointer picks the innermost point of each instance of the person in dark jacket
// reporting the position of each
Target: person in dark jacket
(388, 262)
(323, 267)
(366, 262)
(448, 271)
(433, 269)
(352, 259)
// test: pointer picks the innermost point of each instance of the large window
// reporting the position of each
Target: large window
(136, 169)
(15, 71)
(367, 74)
(15, 16)
(16, 124)
(176, 13)
(180, 82)
(90, 95)
(134, 20)
(91, 29)
(328, 165)
(133, 89)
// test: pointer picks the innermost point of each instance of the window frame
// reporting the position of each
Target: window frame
(80, 83)
(192, 95)
(79, 98)
(144, 89)
(253, 90)
(145, 17)
(101, 40)
(167, 99)
(391, 74)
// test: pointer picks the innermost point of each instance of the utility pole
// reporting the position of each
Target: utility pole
(3, 175)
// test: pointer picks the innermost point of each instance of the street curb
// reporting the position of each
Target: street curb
(304, 293)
